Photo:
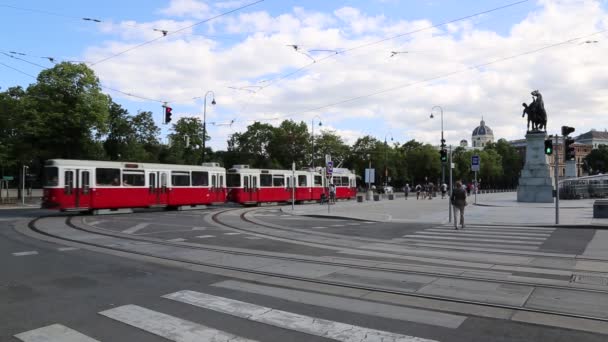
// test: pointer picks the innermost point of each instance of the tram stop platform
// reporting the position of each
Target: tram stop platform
(491, 208)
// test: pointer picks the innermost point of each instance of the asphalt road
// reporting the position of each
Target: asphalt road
(111, 298)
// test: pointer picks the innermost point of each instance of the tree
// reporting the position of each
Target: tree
(512, 163)
(423, 163)
(252, 146)
(331, 143)
(187, 142)
(290, 143)
(68, 112)
(596, 161)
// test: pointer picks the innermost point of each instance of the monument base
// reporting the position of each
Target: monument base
(535, 183)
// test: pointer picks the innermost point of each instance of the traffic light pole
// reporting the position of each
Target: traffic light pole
(451, 189)
(555, 175)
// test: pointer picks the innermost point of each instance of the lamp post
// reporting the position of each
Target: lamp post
(386, 159)
(23, 185)
(205, 120)
(442, 143)
(313, 139)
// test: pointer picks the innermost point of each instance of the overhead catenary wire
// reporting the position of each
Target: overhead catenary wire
(177, 31)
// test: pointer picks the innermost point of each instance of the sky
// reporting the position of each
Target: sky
(361, 67)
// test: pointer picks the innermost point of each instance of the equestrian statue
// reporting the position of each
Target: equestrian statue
(536, 112)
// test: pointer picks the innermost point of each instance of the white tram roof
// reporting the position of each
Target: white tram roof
(132, 165)
(247, 170)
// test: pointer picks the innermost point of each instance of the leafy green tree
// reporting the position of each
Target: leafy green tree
(331, 143)
(511, 161)
(290, 143)
(423, 163)
(187, 142)
(251, 147)
(597, 161)
(68, 113)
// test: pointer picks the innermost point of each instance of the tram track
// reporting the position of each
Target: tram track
(33, 227)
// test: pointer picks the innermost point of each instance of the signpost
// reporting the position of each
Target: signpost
(329, 169)
(475, 165)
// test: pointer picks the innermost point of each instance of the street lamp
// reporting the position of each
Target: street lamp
(369, 174)
(442, 142)
(205, 119)
(23, 185)
(313, 138)
(386, 158)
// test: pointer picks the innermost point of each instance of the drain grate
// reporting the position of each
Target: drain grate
(589, 279)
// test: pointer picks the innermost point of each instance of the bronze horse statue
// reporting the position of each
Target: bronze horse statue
(536, 112)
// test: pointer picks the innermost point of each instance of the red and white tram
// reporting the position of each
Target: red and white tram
(83, 185)
(252, 186)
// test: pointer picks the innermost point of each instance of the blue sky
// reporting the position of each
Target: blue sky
(251, 45)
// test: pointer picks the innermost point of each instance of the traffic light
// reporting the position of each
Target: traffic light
(168, 114)
(569, 152)
(444, 156)
(548, 147)
(566, 130)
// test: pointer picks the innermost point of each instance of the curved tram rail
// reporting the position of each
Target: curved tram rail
(99, 231)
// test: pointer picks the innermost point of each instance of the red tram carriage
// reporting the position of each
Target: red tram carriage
(82, 185)
(252, 186)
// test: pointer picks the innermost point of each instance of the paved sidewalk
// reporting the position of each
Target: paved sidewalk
(494, 208)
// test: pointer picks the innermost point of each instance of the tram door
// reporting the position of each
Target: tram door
(250, 188)
(76, 188)
(158, 189)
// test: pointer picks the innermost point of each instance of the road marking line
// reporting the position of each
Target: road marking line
(65, 249)
(288, 320)
(136, 228)
(463, 233)
(479, 231)
(253, 238)
(169, 327)
(177, 240)
(349, 304)
(199, 228)
(509, 228)
(471, 239)
(488, 247)
(25, 253)
(354, 224)
(319, 227)
(205, 236)
(94, 223)
(337, 225)
(54, 333)
(232, 233)
(369, 222)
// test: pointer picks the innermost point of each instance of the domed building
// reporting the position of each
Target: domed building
(482, 135)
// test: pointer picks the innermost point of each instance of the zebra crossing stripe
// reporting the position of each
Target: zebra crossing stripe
(54, 333)
(288, 320)
(470, 239)
(479, 231)
(25, 253)
(510, 228)
(468, 234)
(136, 228)
(169, 327)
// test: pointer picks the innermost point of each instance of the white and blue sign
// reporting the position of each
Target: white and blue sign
(330, 167)
(475, 162)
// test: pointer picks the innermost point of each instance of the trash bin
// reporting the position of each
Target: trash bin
(391, 197)
(376, 197)
(360, 198)
(600, 209)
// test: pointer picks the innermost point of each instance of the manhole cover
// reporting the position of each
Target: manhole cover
(589, 279)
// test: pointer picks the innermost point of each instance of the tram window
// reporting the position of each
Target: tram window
(337, 181)
(278, 180)
(133, 178)
(180, 178)
(221, 181)
(318, 181)
(344, 181)
(265, 180)
(233, 180)
(69, 178)
(200, 178)
(51, 176)
(213, 181)
(107, 177)
(301, 180)
(85, 179)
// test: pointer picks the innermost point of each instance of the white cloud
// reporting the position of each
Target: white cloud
(434, 70)
(186, 8)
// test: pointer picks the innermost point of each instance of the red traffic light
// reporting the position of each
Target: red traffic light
(168, 114)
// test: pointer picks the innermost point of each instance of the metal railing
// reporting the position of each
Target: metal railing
(584, 187)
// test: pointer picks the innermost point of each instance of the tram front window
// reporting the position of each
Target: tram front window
(51, 176)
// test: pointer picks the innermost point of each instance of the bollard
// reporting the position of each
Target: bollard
(360, 198)
(376, 197)
(391, 197)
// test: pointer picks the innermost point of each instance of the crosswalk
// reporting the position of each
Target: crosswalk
(173, 328)
(487, 236)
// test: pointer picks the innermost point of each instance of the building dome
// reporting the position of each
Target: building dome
(482, 129)
(464, 143)
(482, 135)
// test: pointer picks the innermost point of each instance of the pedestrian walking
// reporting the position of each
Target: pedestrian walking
(444, 190)
(418, 190)
(430, 190)
(458, 201)
(332, 193)
(406, 190)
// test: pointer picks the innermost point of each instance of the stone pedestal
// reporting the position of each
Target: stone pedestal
(535, 183)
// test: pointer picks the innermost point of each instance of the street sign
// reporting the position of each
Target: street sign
(330, 167)
(8, 178)
(327, 158)
(475, 161)
(370, 175)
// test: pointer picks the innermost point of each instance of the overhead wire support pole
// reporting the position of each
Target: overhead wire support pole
(555, 175)
(451, 189)
(205, 120)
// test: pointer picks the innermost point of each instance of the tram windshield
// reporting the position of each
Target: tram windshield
(51, 176)
(233, 180)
